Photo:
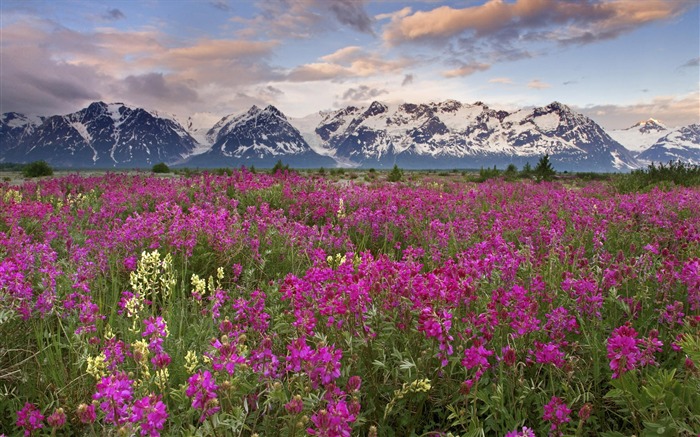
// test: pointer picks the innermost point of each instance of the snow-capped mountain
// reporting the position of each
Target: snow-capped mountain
(101, 135)
(14, 127)
(681, 144)
(450, 134)
(641, 136)
(447, 134)
(257, 137)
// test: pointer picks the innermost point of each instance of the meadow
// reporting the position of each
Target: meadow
(247, 303)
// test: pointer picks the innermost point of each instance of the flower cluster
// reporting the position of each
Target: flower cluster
(309, 304)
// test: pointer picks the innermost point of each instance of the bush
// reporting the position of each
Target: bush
(487, 173)
(37, 169)
(161, 167)
(661, 176)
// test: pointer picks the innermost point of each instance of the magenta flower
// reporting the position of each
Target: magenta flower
(29, 418)
(354, 383)
(116, 392)
(650, 345)
(202, 388)
(130, 263)
(225, 356)
(549, 353)
(508, 356)
(160, 360)
(437, 324)
(86, 413)
(150, 413)
(157, 329)
(325, 365)
(57, 419)
(623, 350)
(524, 432)
(476, 357)
(556, 412)
(299, 352)
(295, 406)
(115, 352)
(332, 422)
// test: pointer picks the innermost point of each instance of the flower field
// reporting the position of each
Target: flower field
(244, 304)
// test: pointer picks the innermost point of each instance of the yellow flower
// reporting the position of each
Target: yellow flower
(96, 366)
(191, 361)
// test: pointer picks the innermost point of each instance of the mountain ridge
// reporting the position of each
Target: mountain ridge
(446, 134)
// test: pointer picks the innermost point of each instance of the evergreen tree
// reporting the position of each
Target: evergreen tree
(395, 175)
(544, 170)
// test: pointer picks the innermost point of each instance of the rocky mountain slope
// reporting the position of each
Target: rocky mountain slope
(101, 135)
(681, 144)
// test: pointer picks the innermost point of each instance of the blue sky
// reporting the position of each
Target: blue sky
(617, 61)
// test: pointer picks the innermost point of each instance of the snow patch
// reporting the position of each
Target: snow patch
(547, 122)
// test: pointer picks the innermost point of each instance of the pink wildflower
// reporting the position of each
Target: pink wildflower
(202, 388)
(30, 418)
(151, 413)
(556, 412)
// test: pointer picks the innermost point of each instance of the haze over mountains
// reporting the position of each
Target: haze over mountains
(447, 134)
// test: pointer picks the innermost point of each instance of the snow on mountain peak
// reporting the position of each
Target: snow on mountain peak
(641, 136)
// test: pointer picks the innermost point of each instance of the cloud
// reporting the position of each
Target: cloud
(269, 92)
(538, 84)
(466, 70)
(498, 31)
(346, 54)
(362, 93)
(221, 5)
(695, 62)
(60, 88)
(581, 21)
(55, 69)
(501, 80)
(155, 87)
(114, 14)
(305, 18)
(318, 71)
(35, 82)
(208, 50)
(346, 63)
(672, 110)
(351, 13)
(407, 80)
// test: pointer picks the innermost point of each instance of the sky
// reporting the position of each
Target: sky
(616, 61)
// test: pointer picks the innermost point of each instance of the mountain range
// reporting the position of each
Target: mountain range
(447, 134)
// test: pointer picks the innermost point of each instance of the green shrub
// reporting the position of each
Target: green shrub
(161, 167)
(662, 176)
(37, 169)
(487, 173)
(511, 172)
(395, 175)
